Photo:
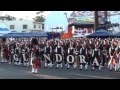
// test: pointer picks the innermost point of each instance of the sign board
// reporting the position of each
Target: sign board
(86, 20)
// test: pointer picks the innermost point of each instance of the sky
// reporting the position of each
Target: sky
(57, 19)
(23, 14)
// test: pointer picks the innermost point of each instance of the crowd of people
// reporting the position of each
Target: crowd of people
(93, 53)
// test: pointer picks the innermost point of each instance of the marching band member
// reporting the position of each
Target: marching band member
(42, 45)
(52, 55)
(77, 48)
(76, 63)
(26, 56)
(65, 48)
(27, 50)
(18, 51)
(115, 61)
(118, 61)
(2, 53)
(112, 53)
(35, 63)
(83, 51)
(31, 55)
(16, 59)
(89, 52)
(104, 53)
(7, 53)
(59, 50)
(71, 51)
(96, 58)
(47, 51)
(11, 54)
(21, 59)
(92, 49)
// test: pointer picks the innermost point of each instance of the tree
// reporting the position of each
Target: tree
(7, 18)
(40, 18)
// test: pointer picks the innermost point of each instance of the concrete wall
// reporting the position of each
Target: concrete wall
(19, 25)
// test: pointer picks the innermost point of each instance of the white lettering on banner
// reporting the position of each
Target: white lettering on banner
(47, 57)
(58, 59)
(72, 60)
(82, 59)
(95, 61)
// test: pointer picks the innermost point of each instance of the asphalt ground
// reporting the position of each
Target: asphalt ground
(9, 71)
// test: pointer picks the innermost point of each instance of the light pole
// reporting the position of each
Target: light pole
(66, 16)
(96, 20)
(67, 20)
(106, 20)
(106, 16)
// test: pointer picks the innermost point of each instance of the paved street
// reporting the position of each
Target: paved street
(9, 71)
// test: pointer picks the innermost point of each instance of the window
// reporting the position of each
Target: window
(12, 26)
(24, 26)
(42, 26)
(34, 26)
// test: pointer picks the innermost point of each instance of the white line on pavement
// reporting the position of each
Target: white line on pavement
(47, 76)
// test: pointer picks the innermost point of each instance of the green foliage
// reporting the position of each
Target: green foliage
(109, 25)
(39, 19)
(7, 18)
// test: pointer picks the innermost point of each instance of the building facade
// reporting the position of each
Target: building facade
(24, 25)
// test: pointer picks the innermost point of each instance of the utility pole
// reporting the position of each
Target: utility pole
(96, 24)
(66, 16)
(106, 19)
(106, 16)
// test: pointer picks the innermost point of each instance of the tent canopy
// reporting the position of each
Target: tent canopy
(101, 33)
(24, 35)
(52, 35)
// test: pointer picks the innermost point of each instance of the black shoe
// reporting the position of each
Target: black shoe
(68, 68)
(45, 67)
